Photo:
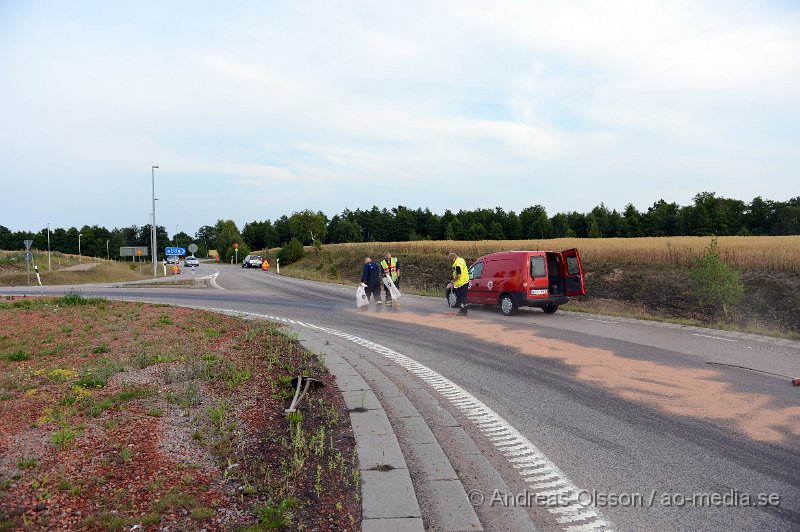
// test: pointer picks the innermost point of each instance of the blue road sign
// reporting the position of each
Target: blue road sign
(175, 251)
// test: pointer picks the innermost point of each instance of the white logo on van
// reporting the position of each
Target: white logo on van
(489, 285)
(538, 292)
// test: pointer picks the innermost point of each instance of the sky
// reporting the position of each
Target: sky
(255, 109)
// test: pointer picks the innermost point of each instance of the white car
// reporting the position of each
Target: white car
(191, 261)
(252, 261)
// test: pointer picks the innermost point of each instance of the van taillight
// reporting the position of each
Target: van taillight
(525, 285)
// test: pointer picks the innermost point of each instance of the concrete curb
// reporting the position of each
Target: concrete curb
(388, 499)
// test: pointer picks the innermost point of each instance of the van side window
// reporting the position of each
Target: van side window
(572, 266)
(537, 267)
(476, 270)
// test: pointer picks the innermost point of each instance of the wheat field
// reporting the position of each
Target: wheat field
(771, 253)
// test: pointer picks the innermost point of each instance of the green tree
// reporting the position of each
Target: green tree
(714, 283)
(308, 225)
(228, 235)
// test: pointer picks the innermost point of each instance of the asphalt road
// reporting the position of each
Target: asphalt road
(632, 412)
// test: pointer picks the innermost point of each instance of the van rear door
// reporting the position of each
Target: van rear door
(573, 276)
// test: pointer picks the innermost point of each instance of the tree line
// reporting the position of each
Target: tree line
(707, 215)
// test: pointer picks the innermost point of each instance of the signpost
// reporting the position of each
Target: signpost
(236, 252)
(28, 258)
(175, 251)
(192, 249)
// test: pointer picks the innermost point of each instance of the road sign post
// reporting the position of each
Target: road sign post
(236, 252)
(28, 258)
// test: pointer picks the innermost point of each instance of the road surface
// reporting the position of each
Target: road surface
(659, 426)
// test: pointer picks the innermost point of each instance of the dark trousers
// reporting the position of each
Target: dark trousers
(461, 296)
(375, 293)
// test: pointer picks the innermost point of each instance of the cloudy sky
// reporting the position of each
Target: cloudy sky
(257, 109)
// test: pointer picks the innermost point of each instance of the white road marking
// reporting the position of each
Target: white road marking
(601, 321)
(715, 337)
(514, 446)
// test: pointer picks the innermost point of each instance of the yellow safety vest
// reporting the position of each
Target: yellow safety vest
(460, 280)
(390, 268)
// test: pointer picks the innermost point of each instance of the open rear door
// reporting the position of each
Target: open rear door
(573, 276)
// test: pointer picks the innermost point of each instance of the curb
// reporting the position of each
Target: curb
(390, 498)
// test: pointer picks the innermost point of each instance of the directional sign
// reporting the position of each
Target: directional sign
(175, 251)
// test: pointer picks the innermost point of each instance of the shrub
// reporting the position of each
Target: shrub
(291, 252)
(715, 283)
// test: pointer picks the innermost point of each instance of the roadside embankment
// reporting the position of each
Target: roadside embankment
(645, 278)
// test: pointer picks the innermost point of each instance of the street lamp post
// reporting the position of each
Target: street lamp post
(107, 257)
(79, 248)
(153, 236)
(176, 235)
(48, 247)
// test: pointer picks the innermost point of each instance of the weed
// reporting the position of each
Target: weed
(72, 299)
(63, 437)
(216, 415)
(126, 454)
(210, 333)
(201, 513)
(174, 500)
(17, 356)
(272, 516)
(27, 463)
(62, 375)
(100, 349)
(97, 373)
(155, 412)
(236, 377)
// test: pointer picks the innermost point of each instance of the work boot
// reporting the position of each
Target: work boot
(462, 311)
(378, 307)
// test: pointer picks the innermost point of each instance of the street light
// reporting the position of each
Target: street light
(176, 235)
(48, 246)
(79, 248)
(153, 242)
(107, 241)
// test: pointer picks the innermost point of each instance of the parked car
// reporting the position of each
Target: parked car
(513, 279)
(252, 261)
(173, 259)
(191, 261)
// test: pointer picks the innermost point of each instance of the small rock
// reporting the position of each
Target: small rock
(41, 506)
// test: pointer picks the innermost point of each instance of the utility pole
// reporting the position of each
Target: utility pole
(153, 235)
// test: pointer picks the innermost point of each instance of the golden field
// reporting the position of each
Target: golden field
(770, 253)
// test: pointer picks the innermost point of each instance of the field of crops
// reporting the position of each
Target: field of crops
(768, 253)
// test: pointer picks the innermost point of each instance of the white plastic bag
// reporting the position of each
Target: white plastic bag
(361, 296)
(391, 286)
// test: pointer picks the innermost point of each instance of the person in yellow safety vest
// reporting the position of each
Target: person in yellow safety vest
(460, 282)
(392, 269)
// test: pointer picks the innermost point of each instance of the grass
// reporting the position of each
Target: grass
(773, 253)
(104, 271)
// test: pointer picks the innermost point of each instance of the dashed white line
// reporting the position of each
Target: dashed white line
(715, 337)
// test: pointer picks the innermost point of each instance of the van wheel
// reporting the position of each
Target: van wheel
(550, 309)
(507, 305)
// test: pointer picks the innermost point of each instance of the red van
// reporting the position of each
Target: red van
(513, 279)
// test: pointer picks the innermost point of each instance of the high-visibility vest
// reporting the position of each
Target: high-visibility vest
(463, 278)
(390, 268)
